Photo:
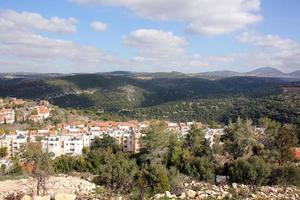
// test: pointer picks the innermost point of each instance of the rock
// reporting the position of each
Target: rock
(63, 196)
(234, 185)
(182, 196)
(117, 198)
(168, 194)
(158, 196)
(191, 194)
(26, 197)
(43, 198)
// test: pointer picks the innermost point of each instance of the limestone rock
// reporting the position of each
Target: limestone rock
(191, 194)
(43, 198)
(63, 196)
(26, 197)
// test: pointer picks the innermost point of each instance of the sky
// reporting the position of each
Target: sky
(87, 36)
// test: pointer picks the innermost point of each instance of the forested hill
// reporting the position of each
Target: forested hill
(170, 96)
(113, 91)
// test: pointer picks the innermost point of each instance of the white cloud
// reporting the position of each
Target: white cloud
(34, 21)
(155, 43)
(270, 50)
(209, 17)
(20, 42)
(158, 50)
(98, 26)
(267, 41)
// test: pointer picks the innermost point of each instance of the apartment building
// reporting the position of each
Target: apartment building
(15, 144)
(53, 145)
(66, 145)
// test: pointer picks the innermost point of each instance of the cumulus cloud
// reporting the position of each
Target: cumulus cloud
(153, 43)
(164, 51)
(20, 42)
(271, 50)
(98, 26)
(202, 16)
(34, 21)
(267, 41)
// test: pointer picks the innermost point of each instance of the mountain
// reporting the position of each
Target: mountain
(295, 73)
(116, 92)
(223, 73)
(173, 96)
(266, 72)
(259, 72)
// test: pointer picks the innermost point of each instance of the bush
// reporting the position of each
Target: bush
(253, 171)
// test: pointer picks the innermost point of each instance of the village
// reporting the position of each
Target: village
(70, 138)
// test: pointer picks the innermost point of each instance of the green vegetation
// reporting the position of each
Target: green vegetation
(3, 152)
(175, 97)
(250, 158)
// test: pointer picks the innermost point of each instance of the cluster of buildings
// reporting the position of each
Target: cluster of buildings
(13, 109)
(71, 138)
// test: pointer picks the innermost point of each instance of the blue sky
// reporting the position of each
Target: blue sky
(139, 35)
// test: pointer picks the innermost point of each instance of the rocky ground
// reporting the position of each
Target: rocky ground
(71, 188)
(56, 185)
(205, 191)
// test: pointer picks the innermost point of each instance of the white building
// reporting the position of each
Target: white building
(15, 144)
(211, 133)
(53, 145)
(69, 145)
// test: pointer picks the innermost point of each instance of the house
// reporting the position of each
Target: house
(17, 102)
(296, 153)
(39, 114)
(7, 116)
(43, 112)
(44, 103)
(211, 133)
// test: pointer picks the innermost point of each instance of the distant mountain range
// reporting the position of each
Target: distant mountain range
(260, 72)
(267, 72)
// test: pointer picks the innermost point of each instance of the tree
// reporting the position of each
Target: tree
(104, 143)
(197, 157)
(239, 139)
(85, 150)
(285, 141)
(175, 152)
(154, 143)
(67, 164)
(196, 143)
(41, 162)
(254, 171)
(115, 171)
(153, 178)
(203, 168)
(3, 152)
(3, 168)
(287, 174)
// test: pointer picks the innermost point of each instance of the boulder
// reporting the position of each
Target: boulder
(43, 198)
(26, 197)
(168, 194)
(63, 196)
(191, 194)
(234, 185)
(182, 196)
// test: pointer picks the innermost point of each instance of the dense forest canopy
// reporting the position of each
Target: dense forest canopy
(165, 96)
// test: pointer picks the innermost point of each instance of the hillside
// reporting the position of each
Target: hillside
(86, 90)
(172, 97)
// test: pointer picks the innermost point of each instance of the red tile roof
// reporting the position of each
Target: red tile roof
(296, 152)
